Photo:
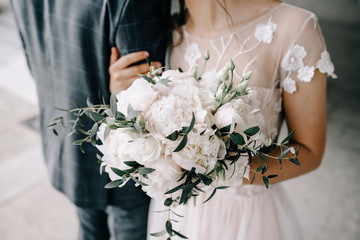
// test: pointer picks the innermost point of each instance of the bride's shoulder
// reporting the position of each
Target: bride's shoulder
(291, 15)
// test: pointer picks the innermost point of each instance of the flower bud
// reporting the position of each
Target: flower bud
(223, 74)
(247, 75)
(241, 87)
(207, 55)
(193, 70)
(231, 65)
(220, 91)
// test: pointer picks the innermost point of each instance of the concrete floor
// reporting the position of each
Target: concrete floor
(327, 200)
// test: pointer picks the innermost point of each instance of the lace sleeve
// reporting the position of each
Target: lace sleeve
(304, 55)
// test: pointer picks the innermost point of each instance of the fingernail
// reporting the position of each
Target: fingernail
(146, 54)
(158, 64)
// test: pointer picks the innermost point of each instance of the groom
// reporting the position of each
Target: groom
(67, 45)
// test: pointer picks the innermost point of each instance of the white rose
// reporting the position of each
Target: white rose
(145, 150)
(117, 149)
(140, 95)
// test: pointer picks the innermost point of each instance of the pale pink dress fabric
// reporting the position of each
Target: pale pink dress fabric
(282, 47)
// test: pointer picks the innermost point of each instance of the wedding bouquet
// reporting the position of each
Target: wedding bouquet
(176, 137)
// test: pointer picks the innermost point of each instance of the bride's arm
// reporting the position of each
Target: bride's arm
(122, 74)
(305, 112)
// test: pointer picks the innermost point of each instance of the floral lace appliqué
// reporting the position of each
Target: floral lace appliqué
(264, 32)
(325, 65)
(306, 73)
(289, 85)
(192, 53)
(293, 59)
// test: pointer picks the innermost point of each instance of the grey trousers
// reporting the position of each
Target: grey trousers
(115, 222)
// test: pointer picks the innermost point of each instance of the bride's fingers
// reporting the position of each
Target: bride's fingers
(114, 55)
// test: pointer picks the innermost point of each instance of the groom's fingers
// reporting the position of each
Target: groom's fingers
(114, 55)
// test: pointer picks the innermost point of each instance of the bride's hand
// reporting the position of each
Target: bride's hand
(122, 75)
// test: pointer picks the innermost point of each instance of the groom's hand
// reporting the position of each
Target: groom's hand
(122, 74)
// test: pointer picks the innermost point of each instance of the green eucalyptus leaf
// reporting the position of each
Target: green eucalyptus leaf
(164, 81)
(150, 80)
(138, 127)
(78, 142)
(191, 124)
(82, 148)
(94, 130)
(106, 132)
(118, 172)
(253, 179)
(237, 138)
(55, 132)
(168, 202)
(114, 184)
(210, 197)
(132, 164)
(252, 131)
(179, 234)
(260, 168)
(288, 137)
(138, 181)
(284, 153)
(295, 161)
(272, 176)
(168, 227)
(205, 179)
(143, 170)
(132, 114)
(159, 234)
(173, 136)
(263, 157)
(182, 144)
(113, 104)
(109, 113)
(95, 116)
(51, 125)
(266, 181)
(175, 189)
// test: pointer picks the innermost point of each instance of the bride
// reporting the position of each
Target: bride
(283, 47)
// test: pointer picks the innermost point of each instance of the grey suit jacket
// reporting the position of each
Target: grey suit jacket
(67, 45)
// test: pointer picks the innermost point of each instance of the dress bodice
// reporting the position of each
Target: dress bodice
(278, 52)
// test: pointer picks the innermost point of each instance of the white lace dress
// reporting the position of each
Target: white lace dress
(282, 48)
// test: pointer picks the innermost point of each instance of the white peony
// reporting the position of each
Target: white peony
(239, 112)
(200, 152)
(140, 95)
(169, 114)
(145, 150)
